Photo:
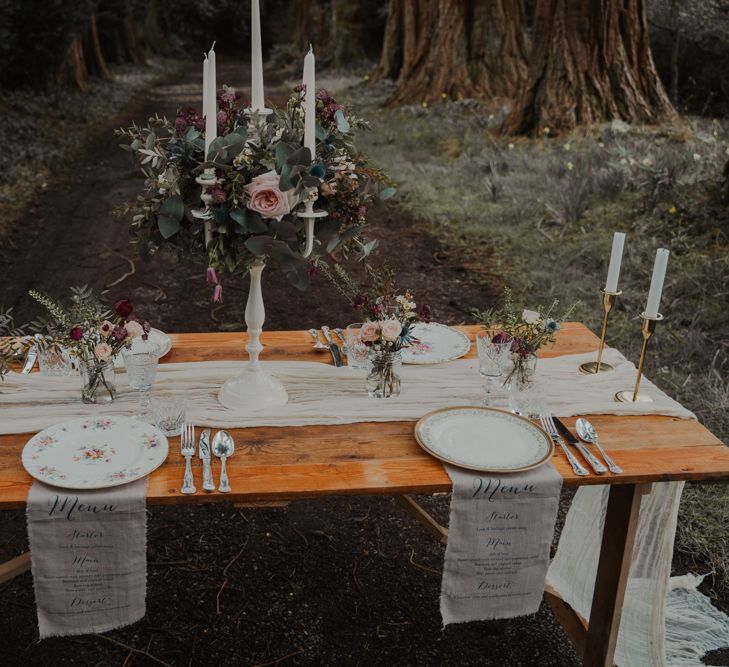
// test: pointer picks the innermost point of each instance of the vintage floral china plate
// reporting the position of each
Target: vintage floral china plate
(94, 452)
(438, 343)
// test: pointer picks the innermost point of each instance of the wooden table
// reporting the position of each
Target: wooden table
(284, 463)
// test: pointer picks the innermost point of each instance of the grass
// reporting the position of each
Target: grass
(548, 209)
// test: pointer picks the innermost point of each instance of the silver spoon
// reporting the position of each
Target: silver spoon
(223, 447)
(587, 432)
(318, 345)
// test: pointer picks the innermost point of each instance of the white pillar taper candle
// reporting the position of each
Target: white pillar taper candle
(309, 82)
(616, 258)
(659, 275)
(204, 111)
(211, 111)
(257, 99)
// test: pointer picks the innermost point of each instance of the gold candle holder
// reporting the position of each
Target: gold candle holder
(632, 396)
(608, 301)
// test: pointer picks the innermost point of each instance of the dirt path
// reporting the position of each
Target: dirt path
(340, 581)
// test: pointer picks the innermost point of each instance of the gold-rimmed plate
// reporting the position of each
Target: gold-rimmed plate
(484, 439)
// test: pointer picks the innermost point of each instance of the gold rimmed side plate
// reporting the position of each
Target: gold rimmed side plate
(483, 439)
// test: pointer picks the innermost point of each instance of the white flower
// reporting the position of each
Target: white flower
(697, 157)
(600, 144)
(647, 162)
(511, 147)
(570, 166)
(623, 161)
(567, 147)
(531, 316)
(390, 330)
(134, 329)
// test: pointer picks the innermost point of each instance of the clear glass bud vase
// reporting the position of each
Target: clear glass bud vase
(98, 380)
(383, 378)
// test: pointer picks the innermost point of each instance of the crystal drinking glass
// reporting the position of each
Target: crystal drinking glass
(494, 360)
(140, 361)
(169, 413)
(357, 351)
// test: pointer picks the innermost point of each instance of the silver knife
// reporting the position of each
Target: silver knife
(596, 465)
(333, 348)
(204, 452)
(30, 360)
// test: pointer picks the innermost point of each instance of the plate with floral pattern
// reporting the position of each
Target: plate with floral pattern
(436, 343)
(95, 452)
(484, 439)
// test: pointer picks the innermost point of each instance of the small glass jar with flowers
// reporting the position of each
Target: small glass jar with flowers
(92, 334)
(388, 327)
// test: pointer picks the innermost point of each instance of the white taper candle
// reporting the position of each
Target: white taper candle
(309, 82)
(659, 276)
(257, 99)
(616, 258)
(211, 110)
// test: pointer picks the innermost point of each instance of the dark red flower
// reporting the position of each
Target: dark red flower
(123, 308)
(77, 333)
(360, 301)
(181, 123)
(119, 333)
(218, 194)
(425, 313)
(501, 337)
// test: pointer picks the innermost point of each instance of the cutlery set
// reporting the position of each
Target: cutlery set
(331, 344)
(222, 446)
(563, 437)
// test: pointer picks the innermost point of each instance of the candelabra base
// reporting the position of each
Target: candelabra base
(590, 368)
(253, 390)
(626, 396)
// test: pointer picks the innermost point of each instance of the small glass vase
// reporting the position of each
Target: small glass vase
(98, 381)
(521, 385)
(383, 377)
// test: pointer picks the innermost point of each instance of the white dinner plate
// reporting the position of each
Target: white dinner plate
(95, 452)
(483, 439)
(159, 338)
(437, 343)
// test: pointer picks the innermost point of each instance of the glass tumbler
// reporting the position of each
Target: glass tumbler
(357, 351)
(494, 360)
(140, 361)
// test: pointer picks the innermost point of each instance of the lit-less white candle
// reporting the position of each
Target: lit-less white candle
(210, 104)
(257, 102)
(309, 82)
(616, 258)
(659, 276)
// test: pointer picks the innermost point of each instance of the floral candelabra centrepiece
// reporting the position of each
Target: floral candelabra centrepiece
(93, 335)
(259, 172)
(388, 328)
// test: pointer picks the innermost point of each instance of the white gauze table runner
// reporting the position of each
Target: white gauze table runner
(322, 394)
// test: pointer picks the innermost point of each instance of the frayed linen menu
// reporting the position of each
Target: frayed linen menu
(89, 557)
(499, 537)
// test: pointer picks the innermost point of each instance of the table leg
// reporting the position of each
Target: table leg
(12, 568)
(412, 507)
(613, 568)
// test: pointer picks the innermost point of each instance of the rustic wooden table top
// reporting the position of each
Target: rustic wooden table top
(274, 463)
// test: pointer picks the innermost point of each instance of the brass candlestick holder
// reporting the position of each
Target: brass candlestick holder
(632, 396)
(608, 301)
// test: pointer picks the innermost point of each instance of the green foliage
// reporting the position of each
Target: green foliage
(10, 346)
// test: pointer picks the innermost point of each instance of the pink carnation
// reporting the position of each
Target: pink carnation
(266, 198)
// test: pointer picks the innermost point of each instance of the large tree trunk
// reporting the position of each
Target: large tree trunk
(346, 45)
(94, 57)
(73, 68)
(591, 62)
(454, 49)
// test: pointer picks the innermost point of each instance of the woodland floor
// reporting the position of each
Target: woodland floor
(337, 581)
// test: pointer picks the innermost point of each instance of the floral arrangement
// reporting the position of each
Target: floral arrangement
(86, 327)
(262, 174)
(389, 314)
(528, 330)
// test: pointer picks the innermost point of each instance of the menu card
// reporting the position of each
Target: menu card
(89, 557)
(499, 538)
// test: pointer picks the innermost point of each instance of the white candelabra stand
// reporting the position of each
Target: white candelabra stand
(254, 388)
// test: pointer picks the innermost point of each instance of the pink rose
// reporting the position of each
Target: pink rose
(134, 329)
(266, 198)
(368, 332)
(391, 330)
(102, 351)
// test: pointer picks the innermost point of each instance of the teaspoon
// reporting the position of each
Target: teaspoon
(223, 447)
(588, 433)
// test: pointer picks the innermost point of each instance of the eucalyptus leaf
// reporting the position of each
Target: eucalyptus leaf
(318, 170)
(387, 193)
(342, 123)
(168, 226)
(301, 155)
(283, 229)
(239, 216)
(259, 245)
(220, 214)
(174, 207)
(149, 143)
(255, 223)
(283, 150)
(321, 133)
(284, 181)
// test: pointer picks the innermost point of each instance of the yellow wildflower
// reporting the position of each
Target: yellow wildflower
(673, 210)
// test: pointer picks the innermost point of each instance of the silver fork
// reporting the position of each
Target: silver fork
(549, 427)
(187, 449)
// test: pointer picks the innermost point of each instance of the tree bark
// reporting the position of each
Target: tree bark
(590, 62)
(454, 49)
(152, 32)
(346, 34)
(94, 57)
(73, 69)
